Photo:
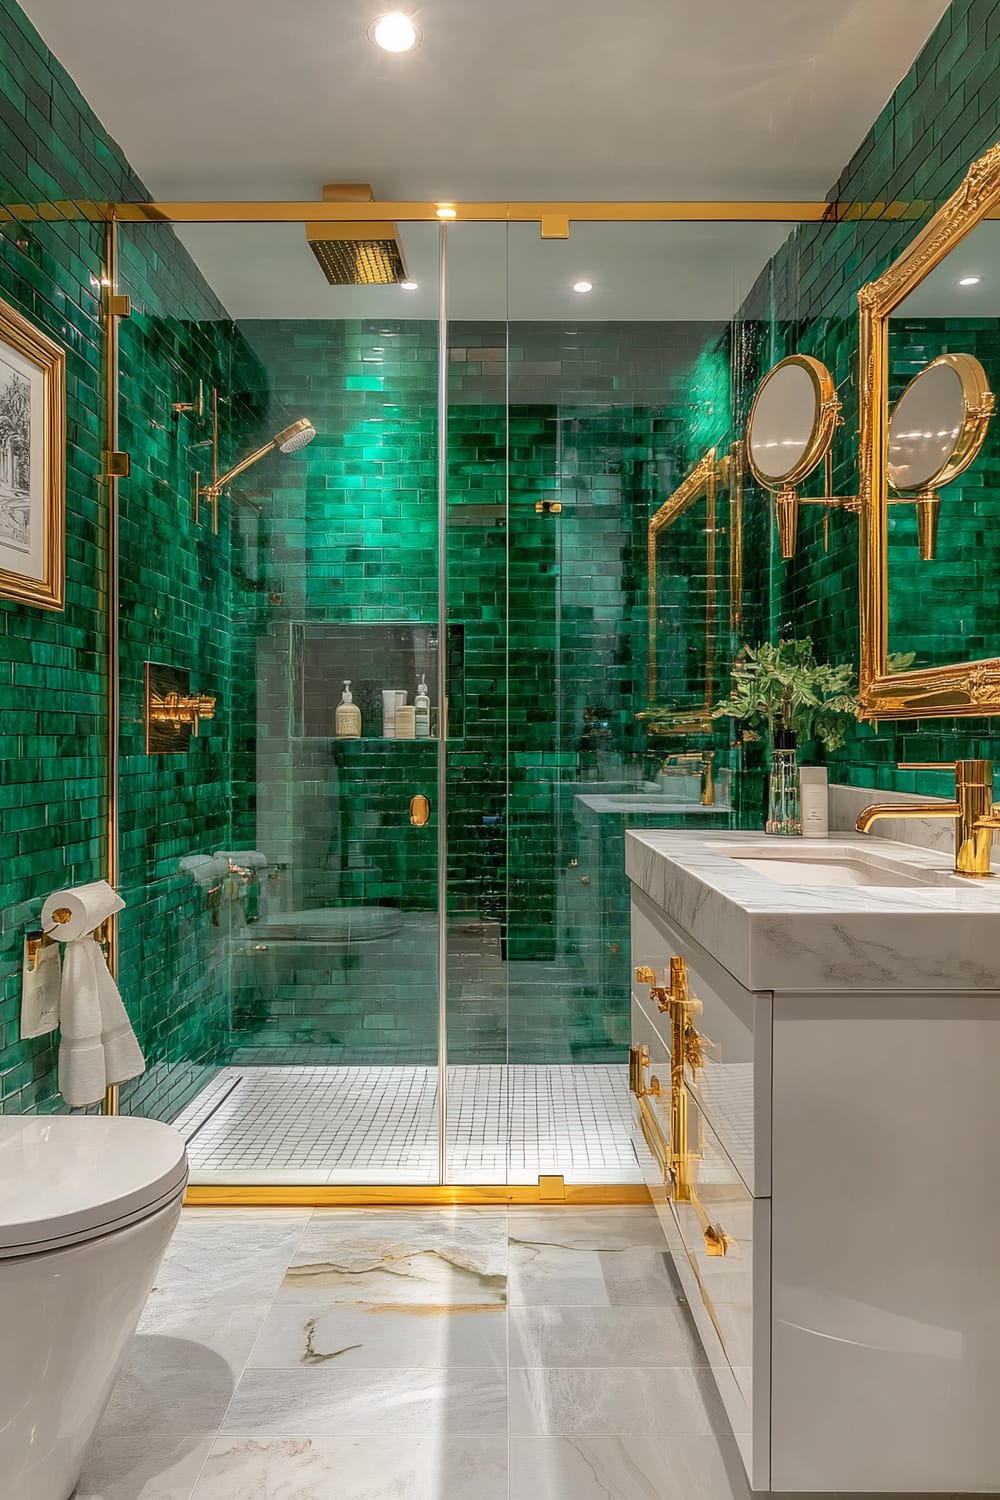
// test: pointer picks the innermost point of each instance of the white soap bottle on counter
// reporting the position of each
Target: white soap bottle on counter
(815, 802)
(422, 710)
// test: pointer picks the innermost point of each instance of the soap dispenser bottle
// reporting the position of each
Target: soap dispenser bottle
(348, 719)
(422, 710)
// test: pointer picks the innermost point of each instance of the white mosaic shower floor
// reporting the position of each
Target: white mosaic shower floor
(347, 1125)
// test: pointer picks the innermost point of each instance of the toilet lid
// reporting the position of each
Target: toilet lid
(64, 1179)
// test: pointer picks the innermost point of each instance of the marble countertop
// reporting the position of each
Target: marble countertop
(799, 937)
(624, 803)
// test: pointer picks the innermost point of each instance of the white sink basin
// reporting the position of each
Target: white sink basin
(805, 866)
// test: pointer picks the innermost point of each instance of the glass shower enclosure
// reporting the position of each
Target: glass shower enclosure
(392, 945)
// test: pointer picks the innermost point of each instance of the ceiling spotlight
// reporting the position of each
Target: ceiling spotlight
(445, 211)
(408, 286)
(969, 280)
(394, 32)
(583, 286)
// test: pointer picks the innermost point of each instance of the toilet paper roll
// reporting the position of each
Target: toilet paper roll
(88, 906)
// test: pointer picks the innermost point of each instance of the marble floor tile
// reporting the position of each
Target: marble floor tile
(238, 1260)
(380, 1336)
(587, 1229)
(600, 1336)
(549, 1275)
(142, 1466)
(481, 1237)
(637, 1468)
(429, 1257)
(346, 1469)
(328, 1402)
(169, 1385)
(229, 1329)
(614, 1403)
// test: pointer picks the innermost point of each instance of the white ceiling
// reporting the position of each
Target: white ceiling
(527, 99)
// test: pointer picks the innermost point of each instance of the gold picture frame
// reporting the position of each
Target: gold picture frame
(701, 484)
(957, 688)
(32, 464)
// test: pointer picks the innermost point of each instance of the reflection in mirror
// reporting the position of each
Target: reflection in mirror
(944, 355)
(935, 433)
(789, 432)
(687, 572)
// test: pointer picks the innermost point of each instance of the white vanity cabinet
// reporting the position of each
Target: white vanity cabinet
(835, 1220)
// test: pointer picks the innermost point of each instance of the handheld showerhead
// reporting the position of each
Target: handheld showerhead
(291, 439)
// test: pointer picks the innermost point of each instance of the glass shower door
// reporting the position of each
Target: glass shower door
(288, 852)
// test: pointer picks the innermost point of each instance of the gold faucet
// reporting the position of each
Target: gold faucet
(703, 758)
(975, 814)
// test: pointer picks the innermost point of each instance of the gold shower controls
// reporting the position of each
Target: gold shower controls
(173, 713)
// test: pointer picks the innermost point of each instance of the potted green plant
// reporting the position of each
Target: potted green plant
(785, 693)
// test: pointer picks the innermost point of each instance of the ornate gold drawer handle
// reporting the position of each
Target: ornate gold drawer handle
(672, 992)
(638, 1062)
(717, 1241)
(695, 1043)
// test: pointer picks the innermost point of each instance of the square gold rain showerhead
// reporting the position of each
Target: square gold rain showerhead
(356, 254)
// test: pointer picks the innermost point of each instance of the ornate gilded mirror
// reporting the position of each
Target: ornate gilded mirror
(789, 432)
(930, 348)
(688, 571)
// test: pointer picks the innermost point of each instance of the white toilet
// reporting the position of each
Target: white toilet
(87, 1208)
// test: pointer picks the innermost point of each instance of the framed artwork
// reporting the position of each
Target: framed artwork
(32, 464)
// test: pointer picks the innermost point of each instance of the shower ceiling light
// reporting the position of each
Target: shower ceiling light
(445, 211)
(970, 281)
(394, 32)
(408, 286)
(583, 286)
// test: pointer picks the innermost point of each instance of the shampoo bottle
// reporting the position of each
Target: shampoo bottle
(348, 720)
(422, 709)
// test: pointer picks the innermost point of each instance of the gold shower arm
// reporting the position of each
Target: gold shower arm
(227, 478)
(212, 492)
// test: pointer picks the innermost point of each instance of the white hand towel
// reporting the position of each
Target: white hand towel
(205, 870)
(82, 1072)
(97, 1044)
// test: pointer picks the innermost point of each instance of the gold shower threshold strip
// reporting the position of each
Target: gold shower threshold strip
(549, 1194)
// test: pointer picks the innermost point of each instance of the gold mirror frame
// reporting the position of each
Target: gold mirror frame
(701, 484)
(959, 688)
(977, 403)
(824, 422)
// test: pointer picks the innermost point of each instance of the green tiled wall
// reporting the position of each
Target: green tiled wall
(944, 114)
(553, 614)
(53, 685)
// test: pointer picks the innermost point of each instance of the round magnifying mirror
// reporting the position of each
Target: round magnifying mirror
(791, 422)
(939, 423)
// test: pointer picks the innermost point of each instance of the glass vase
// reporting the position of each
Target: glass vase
(784, 797)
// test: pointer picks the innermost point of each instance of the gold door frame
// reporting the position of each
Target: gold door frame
(958, 688)
(701, 483)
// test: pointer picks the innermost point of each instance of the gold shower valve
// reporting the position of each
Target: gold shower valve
(182, 708)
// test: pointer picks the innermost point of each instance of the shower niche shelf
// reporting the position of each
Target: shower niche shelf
(372, 656)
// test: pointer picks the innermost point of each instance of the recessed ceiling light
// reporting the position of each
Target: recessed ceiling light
(408, 286)
(583, 286)
(969, 280)
(394, 32)
(445, 211)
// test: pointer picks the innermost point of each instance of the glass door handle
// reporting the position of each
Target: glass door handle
(420, 810)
